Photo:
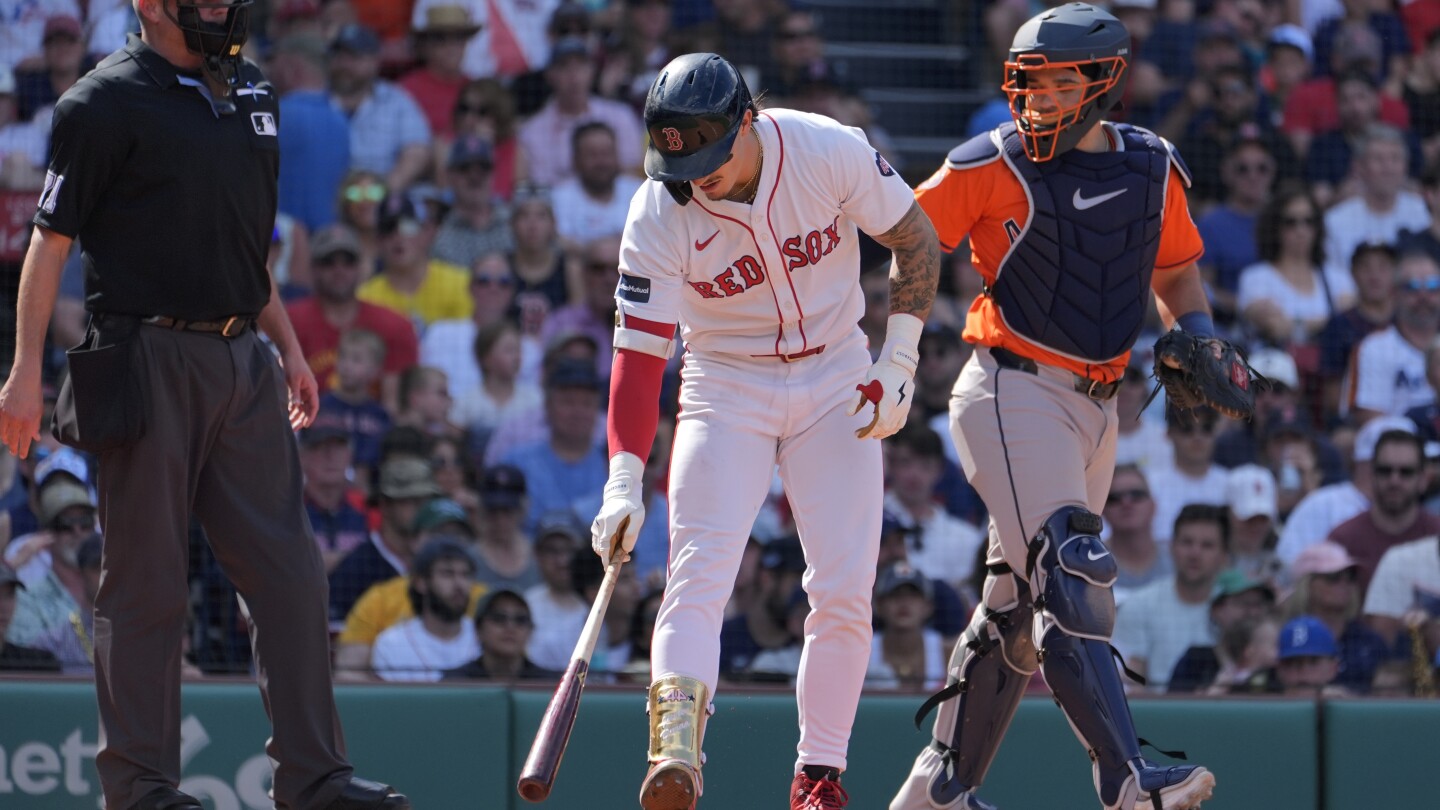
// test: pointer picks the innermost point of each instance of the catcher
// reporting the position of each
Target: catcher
(1073, 221)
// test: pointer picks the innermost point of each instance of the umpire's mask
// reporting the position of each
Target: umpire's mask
(219, 42)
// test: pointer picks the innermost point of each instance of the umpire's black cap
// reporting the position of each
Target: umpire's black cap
(693, 113)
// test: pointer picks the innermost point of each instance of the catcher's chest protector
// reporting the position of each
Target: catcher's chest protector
(1077, 277)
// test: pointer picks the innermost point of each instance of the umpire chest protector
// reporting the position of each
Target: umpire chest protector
(1077, 278)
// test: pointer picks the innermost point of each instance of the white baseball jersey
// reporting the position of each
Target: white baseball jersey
(777, 277)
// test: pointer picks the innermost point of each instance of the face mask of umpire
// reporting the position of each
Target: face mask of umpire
(218, 43)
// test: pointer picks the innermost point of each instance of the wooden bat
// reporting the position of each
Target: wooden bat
(538, 775)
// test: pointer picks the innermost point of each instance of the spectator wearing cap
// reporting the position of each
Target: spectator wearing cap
(953, 606)
(1373, 270)
(1321, 511)
(1247, 174)
(333, 308)
(1192, 476)
(1234, 111)
(1395, 515)
(558, 609)
(1287, 297)
(62, 62)
(1405, 592)
(316, 137)
(1250, 496)
(1426, 240)
(905, 653)
(14, 657)
(478, 222)
(1309, 659)
(594, 314)
(1312, 107)
(326, 455)
(941, 545)
(570, 75)
(388, 131)
(1277, 400)
(525, 428)
(47, 561)
(570, 464)
(405, 484)
(72, 641)
(1328, 163)
(1387, 372)
(594, 203)
(1288, 56)
(441, 634)
(1327, 586)
(1238, 606)
(1159, 622)
(567, 20)
(762, 626)
(1129, 514)
(23, 143)
(505, 552)
(513, 42)
(23, 32)
(411, 282)
(484, 109)
(504, 627)
(440, 43)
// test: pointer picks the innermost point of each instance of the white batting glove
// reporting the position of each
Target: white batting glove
(890, 385)
(622, 511)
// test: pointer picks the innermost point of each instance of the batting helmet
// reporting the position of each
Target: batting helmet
(1083, 38)
(693, 113)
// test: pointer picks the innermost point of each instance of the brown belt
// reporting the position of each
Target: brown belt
(1093, 389)
(790, 358)
(226, 327)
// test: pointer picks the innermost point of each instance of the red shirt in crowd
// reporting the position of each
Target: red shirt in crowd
(319, 340)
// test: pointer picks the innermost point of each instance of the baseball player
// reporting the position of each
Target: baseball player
(745, 236)
(1073, 221)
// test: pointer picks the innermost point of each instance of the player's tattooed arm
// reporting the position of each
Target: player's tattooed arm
(915, 272)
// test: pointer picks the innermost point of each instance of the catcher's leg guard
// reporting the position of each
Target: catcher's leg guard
(989, 670)
(678, 709)
(1073, 572)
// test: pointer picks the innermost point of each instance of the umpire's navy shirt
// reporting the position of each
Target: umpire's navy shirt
(173, 203)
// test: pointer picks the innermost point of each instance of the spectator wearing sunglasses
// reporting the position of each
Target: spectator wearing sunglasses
(1192, 476)
(1128, 513)
(1247, 173)
(504, 626)
(440, 38)
(1287, 297)
(47, 562)
(483, 109)
(359, 200)
(1395, 515)
(478, 222)
(1387, 374)
(1327, 586)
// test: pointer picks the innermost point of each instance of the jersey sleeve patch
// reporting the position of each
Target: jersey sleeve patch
(883, 166)
(633, 288)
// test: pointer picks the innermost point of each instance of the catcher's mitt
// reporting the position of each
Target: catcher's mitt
(1205, 371)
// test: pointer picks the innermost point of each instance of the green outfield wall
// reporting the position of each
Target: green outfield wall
(459, 748)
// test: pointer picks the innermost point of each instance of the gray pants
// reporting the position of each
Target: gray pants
(217, 445)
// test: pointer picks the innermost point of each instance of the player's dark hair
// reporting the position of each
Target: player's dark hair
(1205, 513)
(918, 438)
(1271, 223)
(587, 128)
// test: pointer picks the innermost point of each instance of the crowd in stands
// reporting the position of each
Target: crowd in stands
(455, 177)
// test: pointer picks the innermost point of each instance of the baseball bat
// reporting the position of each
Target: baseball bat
(546, 751)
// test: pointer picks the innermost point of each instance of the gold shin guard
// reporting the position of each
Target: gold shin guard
(678, 709)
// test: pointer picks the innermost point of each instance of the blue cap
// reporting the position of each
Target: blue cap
(1307, 636)
(355, 38)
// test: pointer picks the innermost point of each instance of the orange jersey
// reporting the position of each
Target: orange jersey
(988, 203)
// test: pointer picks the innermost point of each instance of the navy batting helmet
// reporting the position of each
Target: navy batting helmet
(1080, 37)
(693, 113)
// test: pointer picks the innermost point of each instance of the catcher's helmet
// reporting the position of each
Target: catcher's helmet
(1078, 36)
(693, 113)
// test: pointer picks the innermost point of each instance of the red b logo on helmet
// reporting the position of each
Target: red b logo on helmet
(673, 142)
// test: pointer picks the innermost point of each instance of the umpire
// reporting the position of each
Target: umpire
(163, 163)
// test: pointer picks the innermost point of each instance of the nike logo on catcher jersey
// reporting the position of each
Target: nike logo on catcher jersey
(1085, 203)
(702, 245)
(1093, 556)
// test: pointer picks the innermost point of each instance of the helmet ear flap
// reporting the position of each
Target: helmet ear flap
(681, 191)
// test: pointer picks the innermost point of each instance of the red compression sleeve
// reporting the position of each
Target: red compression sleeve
(635, 379)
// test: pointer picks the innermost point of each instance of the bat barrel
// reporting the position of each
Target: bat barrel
(537, 777)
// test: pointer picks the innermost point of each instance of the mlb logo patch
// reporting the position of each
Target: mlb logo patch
(885, 170)
(264, 123)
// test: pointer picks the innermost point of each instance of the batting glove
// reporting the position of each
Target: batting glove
(890, 385)
(622, 511)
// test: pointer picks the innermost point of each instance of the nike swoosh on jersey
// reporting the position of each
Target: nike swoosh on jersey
(1084, 203)
(702, 245)
(1093, 556)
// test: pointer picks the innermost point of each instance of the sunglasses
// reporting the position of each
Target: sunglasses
(486, 280)
(1132, 495)
(74, 525)
(1293, 222)
(365, 193)
(341, 259)
(512, 619)
(1426, 285)
(1386, 470)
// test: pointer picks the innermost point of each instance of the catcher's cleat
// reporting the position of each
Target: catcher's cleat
(1181, 787)
(670, 785)
(817, 788)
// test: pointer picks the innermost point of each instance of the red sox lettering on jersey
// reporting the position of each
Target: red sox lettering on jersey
(775, 277)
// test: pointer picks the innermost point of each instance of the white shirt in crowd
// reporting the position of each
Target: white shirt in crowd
(581, 218)
(1350, 223)
(944, 548)
(1317, 514)
(1173, 490)
(1147, 447)
(408, 652)
(1262, 282)
(879, 675)
(1408, 577)
(557, 627)
(1389, 374)
(1155, 625)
